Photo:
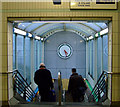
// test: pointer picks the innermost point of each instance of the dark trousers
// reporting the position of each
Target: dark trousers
(77, 98)
(45, 95)
(78, 94)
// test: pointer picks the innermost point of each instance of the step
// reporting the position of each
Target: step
(55, 104)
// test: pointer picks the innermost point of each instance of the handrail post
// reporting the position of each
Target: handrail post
(24, 94)
(98, 94)
(100, 86)
(14, 86)
(106, 84)
(21, 86)
(59, 88)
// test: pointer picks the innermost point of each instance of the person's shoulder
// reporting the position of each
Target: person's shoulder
(37, 71)
(80, 76)
(46, 70)
(72, 76)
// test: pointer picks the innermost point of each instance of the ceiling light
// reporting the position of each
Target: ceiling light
(30, 35)
(96, 35)
(104, 31)
(37, 37)
(91, 37)
(42, 39)
(18, 31)
(87, 38)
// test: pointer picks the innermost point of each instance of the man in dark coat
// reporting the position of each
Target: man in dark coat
(76, 86)
(43, 79)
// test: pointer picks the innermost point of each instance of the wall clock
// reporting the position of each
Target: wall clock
(64, 50)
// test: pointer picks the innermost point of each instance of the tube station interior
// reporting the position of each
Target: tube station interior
(63, 35)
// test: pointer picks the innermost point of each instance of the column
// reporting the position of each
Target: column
(24, 57)
(16, 62)
(95, 60)
(90, 64)
(109, 59)
(39, 53)
(42, 52)
(87, 59)
(10, 59)
(4, 97)
(115, 59)
(32, 62)
(101, 54)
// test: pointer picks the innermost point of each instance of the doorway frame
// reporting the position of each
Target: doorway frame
(89, 19)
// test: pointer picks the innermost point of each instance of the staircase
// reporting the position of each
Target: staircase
(55, 104)
(95, 98)
(99, 92)
(22, 90)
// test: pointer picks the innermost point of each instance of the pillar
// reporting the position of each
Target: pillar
(10, 59)
(0, 54)
(42, 52)
(32, 62)
(5, 61)
(109, 58)
(116, 59)
(87, 57)
(24, 54)
(95, 60)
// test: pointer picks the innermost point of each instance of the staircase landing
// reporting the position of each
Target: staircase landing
(55, 104)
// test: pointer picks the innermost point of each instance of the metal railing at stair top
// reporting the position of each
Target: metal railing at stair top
(99, 92)
(22, 88)
(59, 88)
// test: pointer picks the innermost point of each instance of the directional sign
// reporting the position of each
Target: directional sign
(93, 4)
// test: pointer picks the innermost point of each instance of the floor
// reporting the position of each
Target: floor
(57, 105)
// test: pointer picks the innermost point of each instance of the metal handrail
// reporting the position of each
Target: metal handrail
(60, 88)
(22, 78)
(22, 87)
(100, 88)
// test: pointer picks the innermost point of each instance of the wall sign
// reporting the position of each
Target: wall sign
(93, 4)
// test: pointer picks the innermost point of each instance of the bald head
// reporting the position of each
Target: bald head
(42, 65)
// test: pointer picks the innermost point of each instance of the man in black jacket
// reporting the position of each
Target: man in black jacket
(76, 86)
(43, 79)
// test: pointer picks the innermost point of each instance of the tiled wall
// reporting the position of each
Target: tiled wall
(3, 59)
(109, 58)
(10, 59)
(38, 10)
(116, 58)
(0, 50)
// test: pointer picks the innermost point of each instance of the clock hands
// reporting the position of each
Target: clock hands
(65, 52)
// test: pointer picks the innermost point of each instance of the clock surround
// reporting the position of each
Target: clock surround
(64, 50)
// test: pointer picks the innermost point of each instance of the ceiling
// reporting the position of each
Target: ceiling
(45, 29)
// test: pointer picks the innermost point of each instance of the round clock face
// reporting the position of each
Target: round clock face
(64, 50)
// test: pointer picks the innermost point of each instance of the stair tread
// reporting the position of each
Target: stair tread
(55, 104)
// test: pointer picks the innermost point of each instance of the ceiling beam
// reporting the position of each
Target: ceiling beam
(39, 27)
(72, 30)
(88, 27)
(28, 26)
(54, 27)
